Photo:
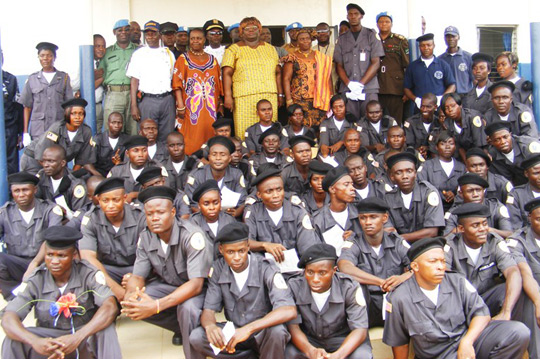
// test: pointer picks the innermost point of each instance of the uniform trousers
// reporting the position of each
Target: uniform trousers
(12, 150)
(102, 345)
(269, 343)
(12, 269)
(120, 101)
(117, 273)
(394, 105)
(99, 117)
(330, 345)
(162, 110)
(502, 339)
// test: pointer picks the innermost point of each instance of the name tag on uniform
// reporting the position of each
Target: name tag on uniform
(362, 56)
(487, 266)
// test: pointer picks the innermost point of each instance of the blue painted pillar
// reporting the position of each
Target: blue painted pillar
(3, 155)
(414, 51)
(86, 57)
(535, 68)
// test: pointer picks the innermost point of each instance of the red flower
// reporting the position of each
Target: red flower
(65, 303)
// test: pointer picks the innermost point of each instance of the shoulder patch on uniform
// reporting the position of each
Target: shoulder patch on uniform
(191, 180)
(406, 244)
(244, 144)
(242, 181)
(534, 147)
(388, 188)
(375, 164)
(289, 159)
(347, 244)
(503, 247)
(79, 191)
(420, 157)
(210, 272)
(250, 200)
(430, 138)
(109, 174)
(306, 222)
(197, 241)
(370, 157)
(85, 220)
(92, 142)
(204, 145)
(58, 211)
(359, 296)
(469, 286)
(433, 199)
(296, 200)
(164, 172)
(509, 200)
(185, 198)
(504, 211)
(247, 214)
(200, 164)
(100, 278)
(526, 117)
(406, 124)
(477, 121)
(358, 128)
(446, 248)
(377, 36)
(279, 281)
(322, 129)
(77, 214)
(52, 136)
(246, 134)
(509, 186)
(447, 215)
(510, 242)
(284, 133)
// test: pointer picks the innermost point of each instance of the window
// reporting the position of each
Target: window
(496, 39)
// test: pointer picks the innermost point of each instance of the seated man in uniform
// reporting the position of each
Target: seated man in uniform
(178, 256)
(110, 234)
(238, 161)
(316, 197)
(157, 150)
(178, 165)
(137, 160)
(333, 128)
(443, 315)
(83, 329)
(91, 183)
(518, 115)
(22, 222)
(57, 183)
(270, 150)
(253, 132)
(508, 151)
(376, 259)
(109, 149)
(338, 221)
(353, 147)
(363, 185)
(338, 326)
(231, 181)
(296, 174)
(520, 195)
(210, 218)
(415, 206)
(374, 127)
(396, 142)
(485, 260)
(275, 223)
(422, 128)
(472, 189)
(254, 296)
(478, 161)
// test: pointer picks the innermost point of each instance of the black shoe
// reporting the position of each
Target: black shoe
(177, 339)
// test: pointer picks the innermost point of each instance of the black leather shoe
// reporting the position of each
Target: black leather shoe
(177, 339)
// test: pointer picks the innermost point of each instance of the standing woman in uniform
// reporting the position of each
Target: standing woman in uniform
(507, 63)
(43, 94)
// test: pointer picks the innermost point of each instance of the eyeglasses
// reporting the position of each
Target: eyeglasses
(251, 28)
(322, 31)
(215, 32)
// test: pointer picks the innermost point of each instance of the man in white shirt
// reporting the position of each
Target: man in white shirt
(150, 69)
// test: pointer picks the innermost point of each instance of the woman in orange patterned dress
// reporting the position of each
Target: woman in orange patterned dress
(197, 88)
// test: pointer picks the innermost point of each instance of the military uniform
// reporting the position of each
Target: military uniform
(323, 221)
(374, 167)
(114, 249)
(373, 190)
(123, 170)
(370, 136)
(182, 204)
(330, 134)
(258, 159)
(234, 180)
(516, 201)
(293, 179)
(391, 260)
(80, 149)
(499, 217)
(265, 290)
(162, 153)
(416, 134)
(480, 103)
(306, 131)
(104, 152)
(189, 255)
(471, 132)
(13, 117)
(254, 131)
(89, 287)
(71, 188)
(520, 117)
(310, 203)
(294, 230)
(499, 187)
(344, 311)
(433, 173)
(436, 330)
(45, 100)
(177, 180)
(425, 211)
(223, 220)
(355, 55)
(21, 240)
(523, 93)
(523, 147)
(392, 73)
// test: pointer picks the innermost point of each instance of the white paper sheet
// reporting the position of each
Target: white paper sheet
(334, 237)
(290, 264)
(228, 332)
(229, 199)
(61, 201)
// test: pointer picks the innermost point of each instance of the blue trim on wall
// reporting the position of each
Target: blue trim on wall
(525, 71)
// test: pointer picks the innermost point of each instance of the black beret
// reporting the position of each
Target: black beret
(109, 184)
(271, 131)
(316, 253)
(472, 178)
(425, 37)
(22, 178)
(168, 27)
(266, 166)
(357, 7)
(530, 162)
(423, 245)
(477, 152)
(318, 167)
(136, 141)
(157, 192)
(481, 57)
(222, 140)
(399, 157)
(61, 237)
(471, 209)
(80, 102)
(149, 173)
(233, 232)
(333, 176)
(213, 24)
(505, 83)
(497, 126)
(47, 46)
(210, 185)
(300, 139)
(532, 205)
(372, 205)
(270, 172)
(80, 173)
(222, 122)
(443, 136)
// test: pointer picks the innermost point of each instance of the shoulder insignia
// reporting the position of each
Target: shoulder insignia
(185, 198)
(250, 200)
(430, 138)
(247, 214)
(526, 117)
(347, 244)
(534, 147)
(322, 129)
(77, 214)
(200, 165)
(504, 211)
(204, 145)
(197, 241)
(100, 278)
(52, 136)
(433, 199)
(279, 281)
(289, 159)
(447, 215)
(477, 121)
(296, 200)
(244, 144)
(358, 128)
(370, 157)
(306, 222)
(375, 164)
(510, 242)
(401, 37)
(242, 181)
(253, 171)
(58, 211)
(446, 248)
(359, 296)
(406, 124)
(530, 98)
(246, 134)
(191, 180)
(388, 188)
(210, 272)
(503, 247)
(284, 132)
(164, 172)
(79, 191)
(406, 244)
(85, 220)
(377, 36)
(109, 174)
(420, 169)
(420, 157)
(469, 286)
(509, 186)
(509, 200)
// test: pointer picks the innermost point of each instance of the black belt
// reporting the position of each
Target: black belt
(165, 94)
